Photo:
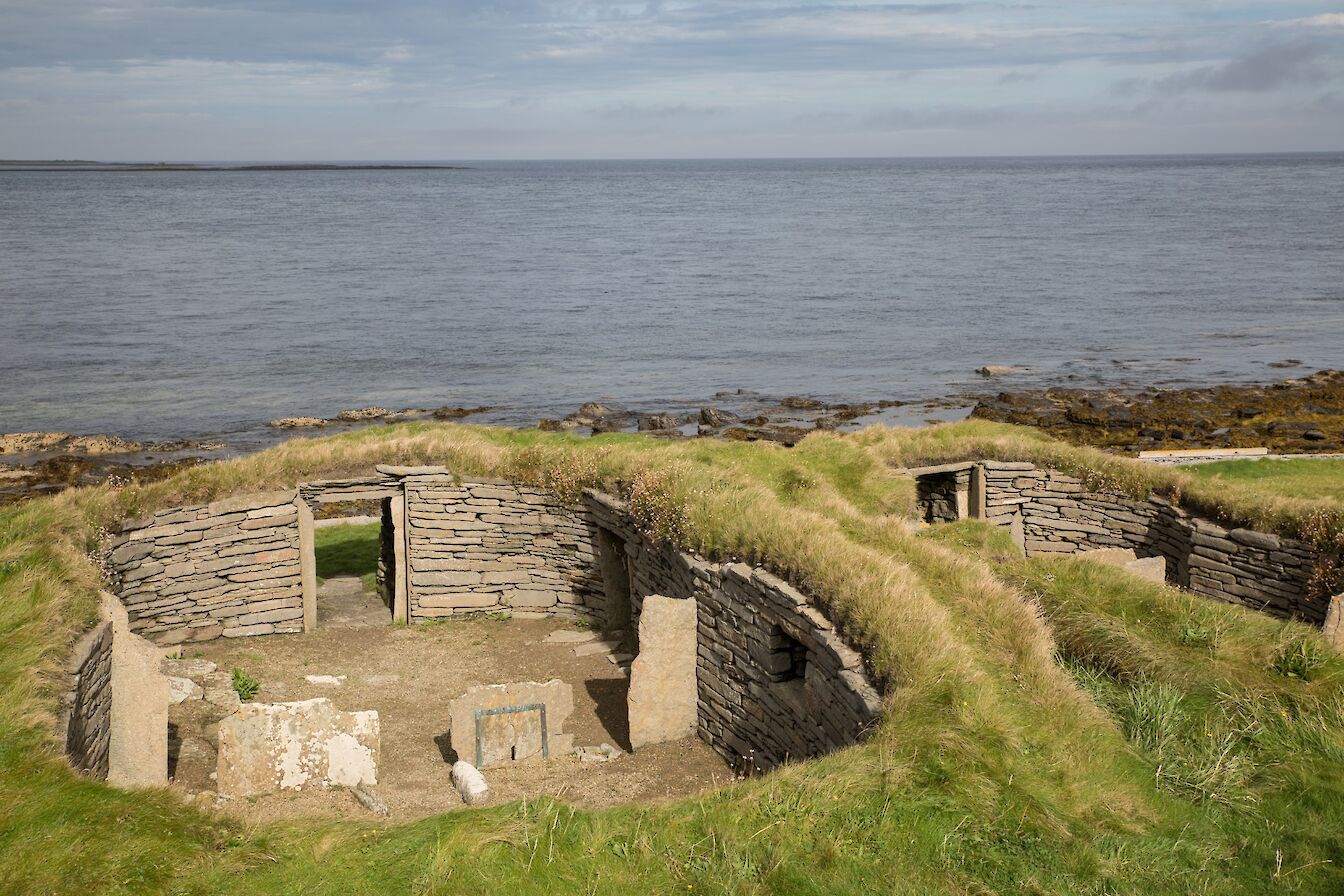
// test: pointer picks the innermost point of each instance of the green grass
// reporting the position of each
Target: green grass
(1296, 478)
(1047, 727)
(348, 550)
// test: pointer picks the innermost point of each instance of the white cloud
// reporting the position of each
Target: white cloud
(1325, 20)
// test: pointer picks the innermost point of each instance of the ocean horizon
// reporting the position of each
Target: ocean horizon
(205, 303)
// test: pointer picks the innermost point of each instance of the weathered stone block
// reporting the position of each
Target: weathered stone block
(469, 783)
(529, 597)
(511, 736)
(266, 747)
(662, 697)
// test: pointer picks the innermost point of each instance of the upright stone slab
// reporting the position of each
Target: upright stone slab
(662, 700)
(266, 747)
(1334, 622)
(509, 719)
(138, 751)
(401, 572)
(307, 564)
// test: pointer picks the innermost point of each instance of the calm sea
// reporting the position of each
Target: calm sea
(166, 304)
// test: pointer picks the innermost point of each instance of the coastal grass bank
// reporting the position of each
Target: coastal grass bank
(1047, 724)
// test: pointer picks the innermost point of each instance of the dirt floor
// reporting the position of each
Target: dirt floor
(409, 674)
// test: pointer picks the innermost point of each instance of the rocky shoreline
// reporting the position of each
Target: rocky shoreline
(1303, 415)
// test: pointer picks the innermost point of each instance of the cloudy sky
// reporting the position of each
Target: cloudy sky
(528, 79)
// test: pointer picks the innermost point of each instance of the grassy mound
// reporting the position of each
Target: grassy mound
(1040, 731)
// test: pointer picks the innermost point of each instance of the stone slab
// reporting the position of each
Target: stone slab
(514, 736)
(268, 747)
(1334, 622)
(138, 750)
(1154, 569)
(663, 698)
(180, 689)
(591, 648)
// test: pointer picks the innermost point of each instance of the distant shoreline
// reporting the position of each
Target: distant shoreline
(119, 167)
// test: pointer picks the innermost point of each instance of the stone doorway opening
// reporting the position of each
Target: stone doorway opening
(354, 563)
(617, 611)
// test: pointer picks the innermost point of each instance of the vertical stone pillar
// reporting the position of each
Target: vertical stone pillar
(307, 565)
(138, 723)
(401, 576)
(977, 496)
(663, 700)
(1018, 533)
(1334, 622)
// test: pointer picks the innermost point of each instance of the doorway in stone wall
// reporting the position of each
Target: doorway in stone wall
(618, 609)
(352, 557)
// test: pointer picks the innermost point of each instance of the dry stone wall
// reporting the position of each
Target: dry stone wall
(775, 681)
(1057, 515)
(338, 491)
(1262, 571)
(937, 494)
(476, 547)
(230, 568)
(87, 707)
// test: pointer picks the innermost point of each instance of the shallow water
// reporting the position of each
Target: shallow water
(161, 304)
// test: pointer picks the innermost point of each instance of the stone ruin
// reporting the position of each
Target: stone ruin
(731, 654)
(1050, 513)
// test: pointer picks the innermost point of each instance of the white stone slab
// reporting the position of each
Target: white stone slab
(266, 747)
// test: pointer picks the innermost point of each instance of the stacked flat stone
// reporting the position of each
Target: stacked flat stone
(1058, 516)
(937, 494)
(86, 711)
(477, 547)
(230, 568)
(1255, 569)
(336, 491)
(747, 711)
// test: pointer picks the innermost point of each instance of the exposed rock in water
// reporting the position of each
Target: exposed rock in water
(37, 442)
(298, 422)
(359, 415)
(716, 417)
(1301, 415)
(799, 403)
(649, 422)
(448, 412)
(590, 415)
(30, 442)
